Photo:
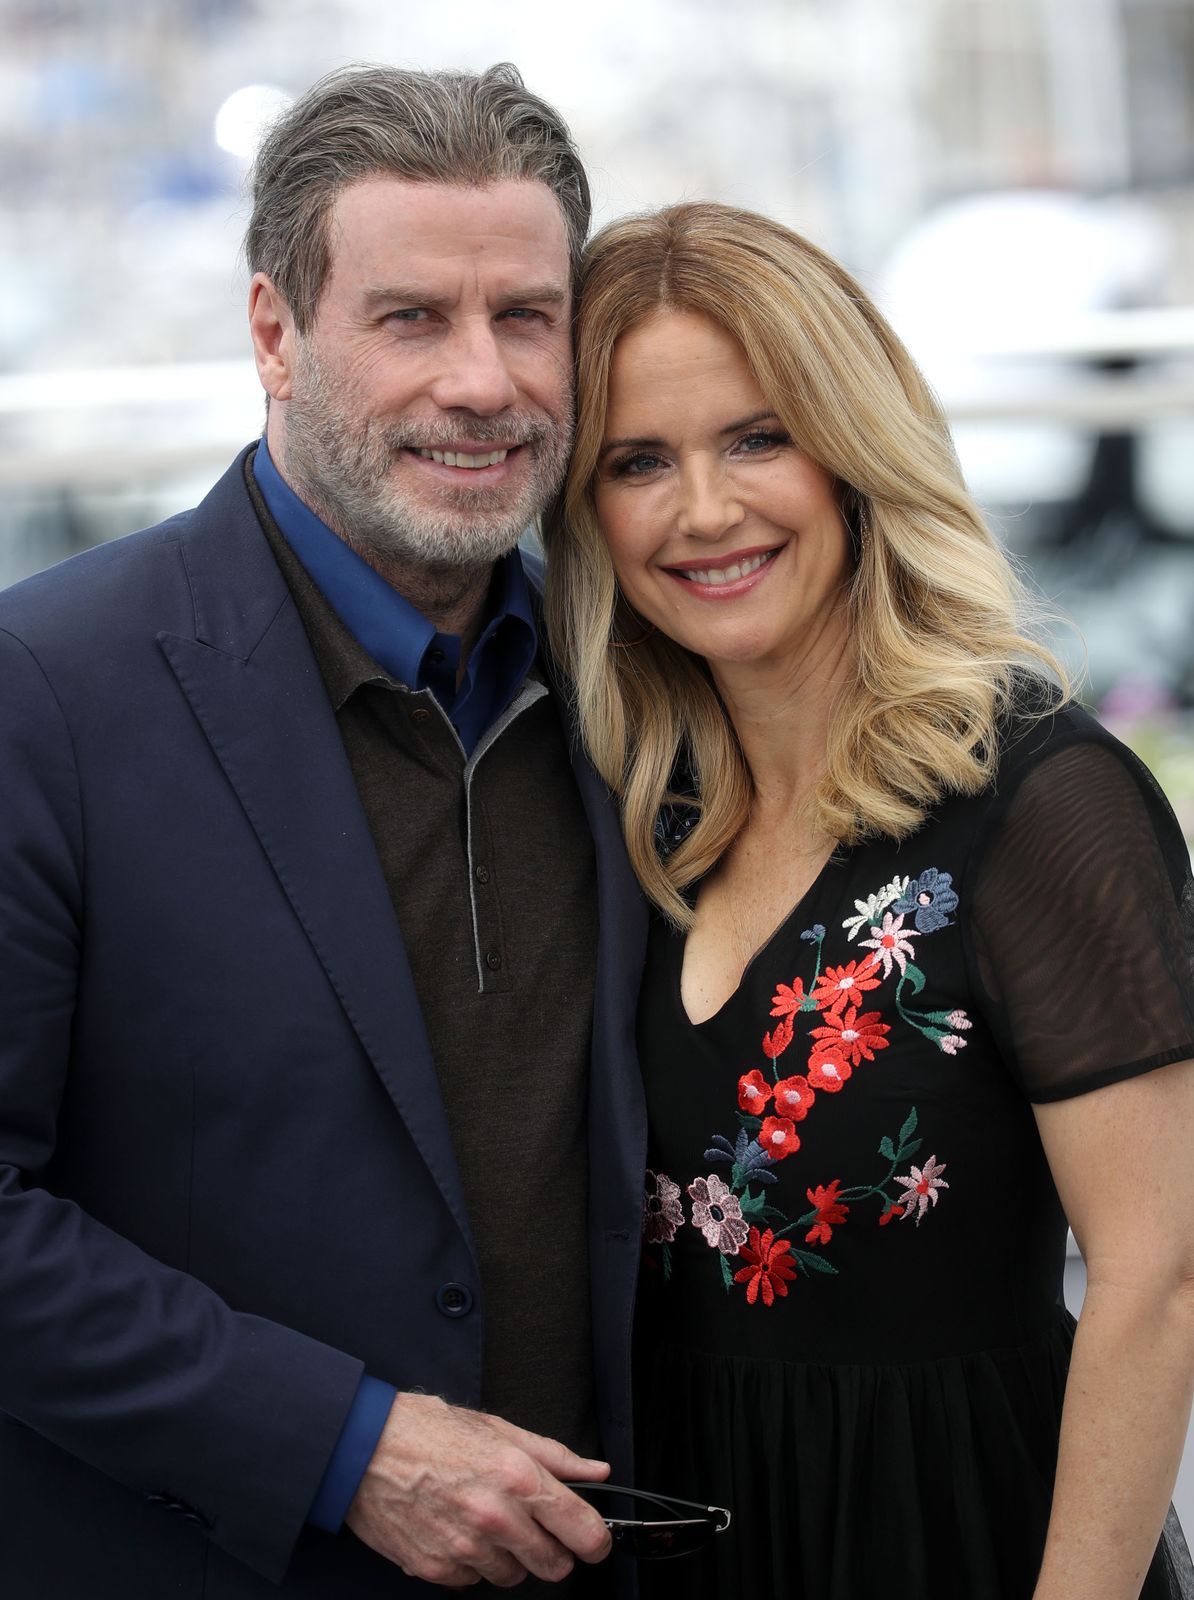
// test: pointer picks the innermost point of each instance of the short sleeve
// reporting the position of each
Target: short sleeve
(1082, 920)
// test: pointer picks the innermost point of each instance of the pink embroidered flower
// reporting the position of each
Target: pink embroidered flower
(830, 1212)
(753, 1092)
(951, 1043)
(893, 1210)
(891, 943)
(717, 1213)
(853, 1036)
(771, 1267)
(787, 999)
(778, 1137)
(662, 1210)
(838, 987)
(959, 1020)
(921, 1188)
(774, 1044)
(828, 1070)
(793, 1098)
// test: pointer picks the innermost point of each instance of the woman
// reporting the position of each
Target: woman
(919, 985)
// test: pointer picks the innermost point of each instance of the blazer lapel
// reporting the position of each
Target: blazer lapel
(255, 689)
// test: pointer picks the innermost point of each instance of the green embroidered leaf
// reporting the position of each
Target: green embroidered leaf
(814, 1263)
(909, 1127)
(727, 1277)
(667, 1262)
(914, 977)
(774, 1213)
(885, 1149)
(736, 1178)
(907, 1150)
(752, 1205)
(747, 1121)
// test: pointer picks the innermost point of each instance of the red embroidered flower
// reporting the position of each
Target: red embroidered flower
(787, 999)
(778, 1137)
(830, 1212)
(838, 987)
(828, 1070)
(753, 1092)
(774, 1044)
(856, 1037)
(793, 1098)
(892, 1211)
(771, 1267)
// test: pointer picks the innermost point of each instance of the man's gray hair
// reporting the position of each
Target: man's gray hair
(437, 127)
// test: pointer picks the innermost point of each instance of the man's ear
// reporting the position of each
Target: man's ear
(273, 334)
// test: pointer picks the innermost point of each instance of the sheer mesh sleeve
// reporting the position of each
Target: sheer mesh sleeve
(1082, 918)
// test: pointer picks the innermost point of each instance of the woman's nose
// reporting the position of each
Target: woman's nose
(709, 506)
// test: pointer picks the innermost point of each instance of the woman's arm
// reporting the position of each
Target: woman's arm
(1123, 1161)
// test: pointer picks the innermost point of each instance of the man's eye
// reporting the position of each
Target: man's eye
(409, 314)
(521, 314)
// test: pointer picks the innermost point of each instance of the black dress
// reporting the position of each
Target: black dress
(852, 1330)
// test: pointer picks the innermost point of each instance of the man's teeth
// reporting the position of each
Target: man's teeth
(718, 575)
(454, 458)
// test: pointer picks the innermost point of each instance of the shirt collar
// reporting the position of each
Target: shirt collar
(397, 635)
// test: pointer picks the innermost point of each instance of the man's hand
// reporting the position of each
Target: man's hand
(453, 1496)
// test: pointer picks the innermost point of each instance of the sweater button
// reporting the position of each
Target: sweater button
(420, 714)
(454, 1299)
(481, 873)
(493, 960)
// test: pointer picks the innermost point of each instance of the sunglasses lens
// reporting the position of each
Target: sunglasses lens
(661, 1542)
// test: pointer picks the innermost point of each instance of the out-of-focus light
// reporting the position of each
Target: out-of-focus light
(245, 115)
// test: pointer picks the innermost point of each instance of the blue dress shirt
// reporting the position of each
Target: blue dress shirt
(396, 635)
(402, 641)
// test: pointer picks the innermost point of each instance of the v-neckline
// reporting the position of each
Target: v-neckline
(836, 857)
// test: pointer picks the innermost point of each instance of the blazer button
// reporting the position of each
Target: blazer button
(454, 1299)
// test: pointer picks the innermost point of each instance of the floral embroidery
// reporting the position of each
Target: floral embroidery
(740, 1218)
(662, 1210)
(830, 1212)
(717, 1213)
(930, 898)
(778, 1137)
(922, 1187)
(853, 1036)
(891, 943)
(793, 1098)
(753, 1091)
(870, 908)
(842, 986)
(829, 1070)
(771, 1267)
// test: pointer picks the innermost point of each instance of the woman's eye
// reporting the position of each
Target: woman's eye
(753, 444)
(635, 466)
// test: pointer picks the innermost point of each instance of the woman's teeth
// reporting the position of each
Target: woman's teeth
(719, 575)
(454, 458)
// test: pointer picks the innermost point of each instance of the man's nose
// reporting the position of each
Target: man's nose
(709, 505)
(475, 375)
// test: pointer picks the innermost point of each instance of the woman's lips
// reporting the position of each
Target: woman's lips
(735, 574)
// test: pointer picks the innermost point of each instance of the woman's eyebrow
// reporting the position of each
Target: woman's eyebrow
(750, 422)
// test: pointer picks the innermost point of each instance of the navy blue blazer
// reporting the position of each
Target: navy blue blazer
(226, 1182)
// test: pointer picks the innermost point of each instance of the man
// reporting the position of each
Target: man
(312, 1212)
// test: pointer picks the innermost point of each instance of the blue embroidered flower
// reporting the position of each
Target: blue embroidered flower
(811, 935)
(930, 898)
(748, 1158)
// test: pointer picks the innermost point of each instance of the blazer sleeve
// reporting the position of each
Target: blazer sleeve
(130, 1365)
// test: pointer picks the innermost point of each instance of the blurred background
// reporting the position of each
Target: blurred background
(1012, 179)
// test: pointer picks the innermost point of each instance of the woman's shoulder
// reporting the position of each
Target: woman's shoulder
(1040, 723)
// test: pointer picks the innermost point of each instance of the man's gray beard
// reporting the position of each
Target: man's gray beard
(341, 467)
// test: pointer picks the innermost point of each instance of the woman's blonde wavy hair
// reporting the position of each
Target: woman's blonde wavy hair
(939, 619)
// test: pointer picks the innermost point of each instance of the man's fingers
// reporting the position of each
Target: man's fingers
(572, 1521)
(557, 1458)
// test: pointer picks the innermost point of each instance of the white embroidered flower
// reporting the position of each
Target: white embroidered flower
(892, 943)
(921, 1188)
(662, 1210)
(870, 909)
